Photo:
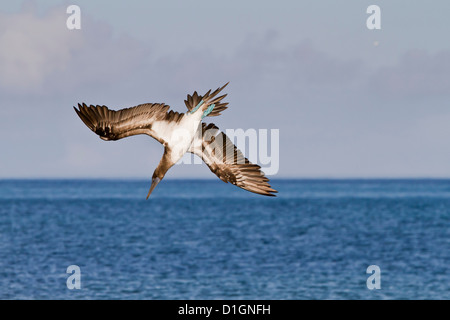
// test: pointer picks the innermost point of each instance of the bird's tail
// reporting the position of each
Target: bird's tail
(208, 103)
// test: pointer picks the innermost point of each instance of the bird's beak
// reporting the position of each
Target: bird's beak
(155, 182)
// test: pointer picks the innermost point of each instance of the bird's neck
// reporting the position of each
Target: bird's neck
(164, 165)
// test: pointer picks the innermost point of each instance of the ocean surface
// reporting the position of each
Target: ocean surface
(198, 239)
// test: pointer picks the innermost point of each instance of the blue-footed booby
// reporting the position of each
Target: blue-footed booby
(181, 133)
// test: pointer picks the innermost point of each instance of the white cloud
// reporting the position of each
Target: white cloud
(33, 48)
(40, 55)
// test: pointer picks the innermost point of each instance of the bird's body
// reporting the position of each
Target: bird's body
(180, 133)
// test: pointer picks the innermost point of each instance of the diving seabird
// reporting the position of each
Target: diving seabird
(181, 133)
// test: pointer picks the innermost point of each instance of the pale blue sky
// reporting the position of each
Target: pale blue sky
(348, 101)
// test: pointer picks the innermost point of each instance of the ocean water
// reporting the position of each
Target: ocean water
(208, 240)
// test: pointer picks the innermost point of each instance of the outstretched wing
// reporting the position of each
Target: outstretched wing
(208, 99)
(228, 163)
(142, 119)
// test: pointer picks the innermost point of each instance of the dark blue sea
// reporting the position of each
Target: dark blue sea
(208, 240)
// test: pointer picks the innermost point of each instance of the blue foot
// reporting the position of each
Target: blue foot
(208, 111)
(198, 106)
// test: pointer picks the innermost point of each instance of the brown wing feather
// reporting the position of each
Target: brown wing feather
(208, 98)
(228, 163)
(115, 125)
